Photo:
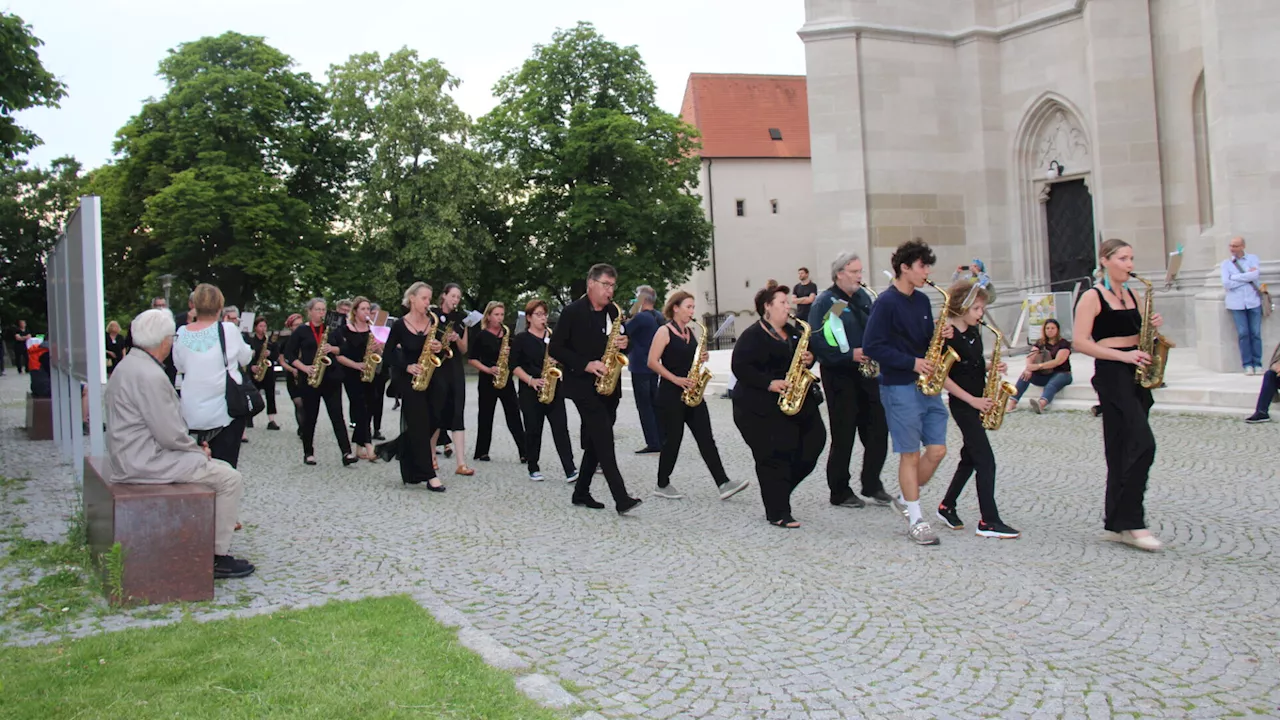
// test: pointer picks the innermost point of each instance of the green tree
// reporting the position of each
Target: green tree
(34, 205)
(601, 174)
(232, 177)
(422, 203)
(24, 83)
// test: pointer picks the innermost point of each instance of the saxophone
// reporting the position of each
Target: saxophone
(550, 376)
(428, 360)
(261, 367)
(698, 373)
(938, 355)
(869, 368)
(320, 362)
(371, 359)
(613, 360)
(997, 390)
(1151, 342)
(800, 377)
(504, 354)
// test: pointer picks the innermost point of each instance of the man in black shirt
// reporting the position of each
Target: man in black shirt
(805, 293)
(19, 337)
(578, 344)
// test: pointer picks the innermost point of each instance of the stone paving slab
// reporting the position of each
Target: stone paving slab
(699, 609)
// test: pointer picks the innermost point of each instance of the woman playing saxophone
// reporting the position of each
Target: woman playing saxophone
(680, 363)
(1109, 327)
(313, 343)
(409, 336)
(490, 354)
(966, 386)
(533, 368)
(355, 344)
(785, 447)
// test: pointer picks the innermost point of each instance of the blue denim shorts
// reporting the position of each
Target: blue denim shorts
(914, 418)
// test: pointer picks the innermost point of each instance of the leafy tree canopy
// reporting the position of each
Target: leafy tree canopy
(600, 173)
(34, 205)
(24, 83)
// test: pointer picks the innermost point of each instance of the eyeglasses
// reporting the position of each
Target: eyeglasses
(610, 285)
(538, 313)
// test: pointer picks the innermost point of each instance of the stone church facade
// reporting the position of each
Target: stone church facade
(1021, 131)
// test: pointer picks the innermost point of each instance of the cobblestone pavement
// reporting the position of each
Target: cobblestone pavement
(699, 609)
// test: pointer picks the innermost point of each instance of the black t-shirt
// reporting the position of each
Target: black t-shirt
(301, 345)
(527, 353)
(758, 359)
(809, 289)
(970, 371)
(581, 336)
(273, 347)
(483, 347)
(352, 343)
(454, 321)
(1049, 352)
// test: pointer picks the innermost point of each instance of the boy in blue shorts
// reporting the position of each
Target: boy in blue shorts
(897, 336)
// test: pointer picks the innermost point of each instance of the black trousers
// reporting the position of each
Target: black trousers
(1128, 443)
(225, 445)
(20, 357)
(853, 409)
(268, 388)
(489, 398)
(598, 415)
(376, 398)
(975, 457)
(413, 446)
(673, 415)
(534, 415)
(785, 450)
(331, 393)
(358, 402)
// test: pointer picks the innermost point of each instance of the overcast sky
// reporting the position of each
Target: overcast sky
(107, 51)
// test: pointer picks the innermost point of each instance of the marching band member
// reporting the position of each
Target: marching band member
(579, 343)
(291, 381)
(529, 356)
(485, 349)
(268, 384)
(354, 338)
(306, 345)
(448, 388)
(1107, 326)
(378, 393)
(966, 385)
(404, 347)
(671, 357)
(785, 447)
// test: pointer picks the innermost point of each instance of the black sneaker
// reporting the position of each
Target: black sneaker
(628, 505)
(646, 450)
(225, 566)
(950, 517)
(377, 435)
(588, 502)
(851, 501)
(1258, 417)
(880, 497)
(272, 425)
(997, 530)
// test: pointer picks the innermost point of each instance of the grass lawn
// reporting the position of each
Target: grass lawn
(376, 658)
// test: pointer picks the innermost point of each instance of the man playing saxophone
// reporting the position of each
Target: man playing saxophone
(966, 386)
(898, 335)
(580, 341)
(853, 397)
(533, 368)
(680, 363)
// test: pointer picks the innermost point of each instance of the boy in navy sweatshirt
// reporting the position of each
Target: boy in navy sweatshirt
(897, 336)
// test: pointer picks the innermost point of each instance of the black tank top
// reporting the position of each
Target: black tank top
(1116, 323)
(677, 357)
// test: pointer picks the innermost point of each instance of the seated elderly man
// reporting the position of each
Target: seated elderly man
(147, 440)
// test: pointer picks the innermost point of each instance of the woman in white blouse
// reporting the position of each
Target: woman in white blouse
(197, 354)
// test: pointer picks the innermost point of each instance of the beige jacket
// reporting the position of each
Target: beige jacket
(147, 439)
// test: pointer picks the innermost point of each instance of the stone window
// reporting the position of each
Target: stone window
(742, 208)
(1204, 174)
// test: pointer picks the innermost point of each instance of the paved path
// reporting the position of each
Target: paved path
(699, 609)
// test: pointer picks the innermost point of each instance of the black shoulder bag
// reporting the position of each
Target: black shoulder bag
(243, 398)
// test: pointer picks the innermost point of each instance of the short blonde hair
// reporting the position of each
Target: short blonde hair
(208, 300)
(113, 324)
(413, 290)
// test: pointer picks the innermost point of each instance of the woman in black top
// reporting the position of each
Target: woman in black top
(448, 390)
(528, 356)
(485, 347)
(299, 352)
(1048, 367)
(354, 337)
(291, 379)
(268, 383)
(785, 447)
(671, 357)
(965, 386)
(378, 393)
(404, 348)
(1107, 325)
(114, 346)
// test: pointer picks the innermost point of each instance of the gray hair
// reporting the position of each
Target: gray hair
(151, 327)
(645, 293)
(314, 301)
(841, 262)
(230, 309)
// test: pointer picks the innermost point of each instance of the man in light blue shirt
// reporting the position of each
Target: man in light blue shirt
(1244, 300)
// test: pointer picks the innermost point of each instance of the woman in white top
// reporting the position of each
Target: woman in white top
(197, 354)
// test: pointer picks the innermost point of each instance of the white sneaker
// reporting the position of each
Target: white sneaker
(922, 534)
(900, 506)
(733, 487)
(535, 476)
(669, 492)
(572, 478)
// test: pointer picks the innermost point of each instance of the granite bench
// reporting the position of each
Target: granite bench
(39, 418)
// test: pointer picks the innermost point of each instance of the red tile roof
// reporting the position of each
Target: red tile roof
(735, 112)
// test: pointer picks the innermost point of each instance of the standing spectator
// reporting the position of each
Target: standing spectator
(1244, 300)
(644, 322)
(20, 336)
(1270, 391)
(115, 346)
(198, 355)
(805, 293)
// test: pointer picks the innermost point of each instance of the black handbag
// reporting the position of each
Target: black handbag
(243, 398)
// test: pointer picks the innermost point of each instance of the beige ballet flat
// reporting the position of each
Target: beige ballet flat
(1143, 542)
